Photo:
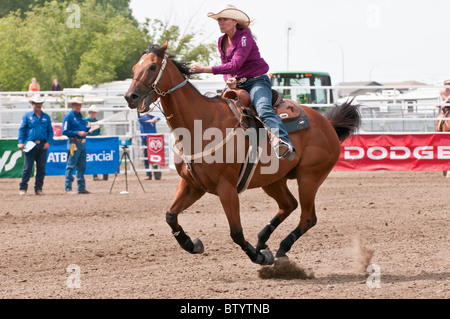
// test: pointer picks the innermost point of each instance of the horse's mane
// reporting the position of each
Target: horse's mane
(183, 67)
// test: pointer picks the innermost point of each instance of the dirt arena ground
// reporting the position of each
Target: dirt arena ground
(122, 247)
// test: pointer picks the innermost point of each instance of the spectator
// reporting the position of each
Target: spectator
(35, 135)
(147, 125)
(56, 86)
(34, 86)
(92, 111)
(75, 128)
(445, 96)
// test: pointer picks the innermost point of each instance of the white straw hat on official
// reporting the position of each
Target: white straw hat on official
(37, 98)
(76, 100)
(231, 12)
(93, 108)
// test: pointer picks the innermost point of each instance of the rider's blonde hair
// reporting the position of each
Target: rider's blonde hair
(241, 26)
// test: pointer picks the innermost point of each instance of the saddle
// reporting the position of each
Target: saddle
(291, 114)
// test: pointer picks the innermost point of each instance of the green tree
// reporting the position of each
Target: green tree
(8, 6)
(17, 64)
(83, 42)
(112, 54)
(52, 41)
(185, 45)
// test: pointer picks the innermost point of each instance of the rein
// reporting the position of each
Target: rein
(153, 88)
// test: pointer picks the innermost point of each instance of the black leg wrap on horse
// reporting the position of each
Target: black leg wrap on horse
(287, 243)
(253, 254)
(265, 233)
(184, 240)
(171, 219)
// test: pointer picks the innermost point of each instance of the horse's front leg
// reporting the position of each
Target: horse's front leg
(186, 196)
(229, 199)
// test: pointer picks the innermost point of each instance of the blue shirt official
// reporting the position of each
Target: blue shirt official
(146, 126)
(73, 123)
(75, 128)
(35, 128)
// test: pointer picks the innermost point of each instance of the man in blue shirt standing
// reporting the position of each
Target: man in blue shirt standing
(147, 124)
(92, 111)
(75, 128)
(35, 135)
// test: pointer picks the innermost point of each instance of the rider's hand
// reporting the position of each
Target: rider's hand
(196, 67)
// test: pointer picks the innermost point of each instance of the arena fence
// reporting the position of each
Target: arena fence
(385, 110)
(115, 118)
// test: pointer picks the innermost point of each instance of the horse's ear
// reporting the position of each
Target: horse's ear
(164, 46)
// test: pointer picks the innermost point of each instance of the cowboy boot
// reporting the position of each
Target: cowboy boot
(282, 149)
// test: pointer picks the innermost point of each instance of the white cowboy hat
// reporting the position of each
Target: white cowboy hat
(93, 108)
(231, 12)
(37, 98)
(76, 100)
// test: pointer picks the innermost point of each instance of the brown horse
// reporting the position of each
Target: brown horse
(156, 75)
(443, 125)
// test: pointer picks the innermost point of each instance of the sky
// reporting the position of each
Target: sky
(354, 40)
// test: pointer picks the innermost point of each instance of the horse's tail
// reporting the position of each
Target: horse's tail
(345, 118)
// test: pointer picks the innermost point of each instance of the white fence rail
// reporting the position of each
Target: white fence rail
(114, 115)
(384, 109)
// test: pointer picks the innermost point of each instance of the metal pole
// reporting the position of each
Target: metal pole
(288, 29)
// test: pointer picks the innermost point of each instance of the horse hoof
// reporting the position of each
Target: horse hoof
(268, 257)
(281, 260)
(198, 246)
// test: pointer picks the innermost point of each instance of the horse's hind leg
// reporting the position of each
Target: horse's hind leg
(185, 197)
(286, 205)
(308, 184)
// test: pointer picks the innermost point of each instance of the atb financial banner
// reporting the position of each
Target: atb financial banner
(11, 159)
(102, 156)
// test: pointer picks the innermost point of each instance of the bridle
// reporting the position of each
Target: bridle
(153, 87)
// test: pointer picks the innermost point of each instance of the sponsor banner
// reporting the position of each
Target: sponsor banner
(57, 130)
(11, 159)
(403, 152)
(155, 149)
(102, 156)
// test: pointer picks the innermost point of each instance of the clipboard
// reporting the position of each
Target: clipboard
(29, 146)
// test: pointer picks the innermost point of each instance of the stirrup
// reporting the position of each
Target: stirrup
(285, 151)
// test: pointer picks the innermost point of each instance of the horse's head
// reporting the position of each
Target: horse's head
(146, 74)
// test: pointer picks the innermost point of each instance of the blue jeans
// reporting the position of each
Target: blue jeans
(38, 155)
(260, 91)
(76, 161)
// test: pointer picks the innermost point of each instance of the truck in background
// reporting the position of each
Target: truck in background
(303, 81)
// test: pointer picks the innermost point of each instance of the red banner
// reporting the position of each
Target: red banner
(403, 152)
(155, 149)
(57, 130)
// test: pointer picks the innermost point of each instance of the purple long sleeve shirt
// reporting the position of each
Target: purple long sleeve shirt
(242, 58)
